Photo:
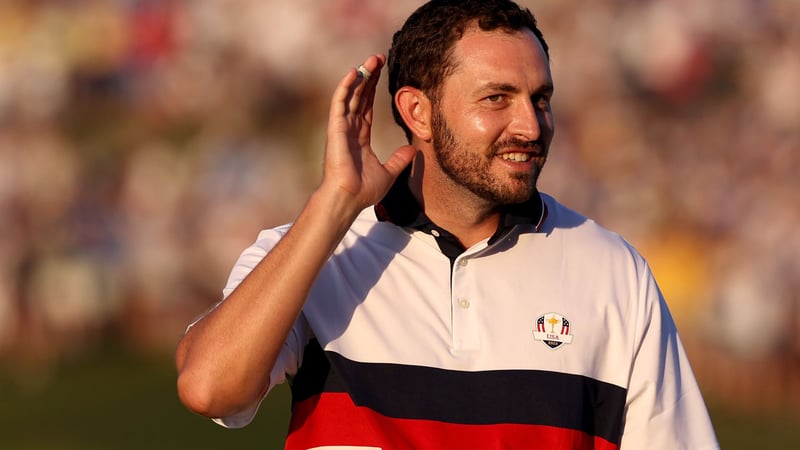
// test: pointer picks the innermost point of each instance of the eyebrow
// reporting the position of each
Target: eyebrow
(512, 89)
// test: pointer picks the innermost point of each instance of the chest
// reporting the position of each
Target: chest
(489, 311)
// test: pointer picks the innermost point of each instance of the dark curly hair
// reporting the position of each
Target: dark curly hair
(421, 53)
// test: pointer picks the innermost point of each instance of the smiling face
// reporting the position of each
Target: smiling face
(491, 119)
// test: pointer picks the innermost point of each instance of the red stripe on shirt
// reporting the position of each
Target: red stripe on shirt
(333, 419)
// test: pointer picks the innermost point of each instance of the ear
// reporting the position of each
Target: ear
(415, 109)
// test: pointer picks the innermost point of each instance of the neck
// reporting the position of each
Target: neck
(468, 217)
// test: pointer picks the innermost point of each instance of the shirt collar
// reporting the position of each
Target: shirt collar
(401, 208)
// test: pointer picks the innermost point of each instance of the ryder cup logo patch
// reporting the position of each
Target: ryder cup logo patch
(553, 330)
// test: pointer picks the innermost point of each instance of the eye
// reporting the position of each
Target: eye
(541, 101)
(495, 98)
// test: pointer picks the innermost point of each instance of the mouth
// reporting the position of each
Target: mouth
(516, 156)
(517, 151)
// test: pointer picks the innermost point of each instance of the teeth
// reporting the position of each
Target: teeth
(517, 157)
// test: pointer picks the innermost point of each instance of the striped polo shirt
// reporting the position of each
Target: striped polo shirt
(551, 334)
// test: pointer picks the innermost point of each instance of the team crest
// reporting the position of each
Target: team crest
(553, 330)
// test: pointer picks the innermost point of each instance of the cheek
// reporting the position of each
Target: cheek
(483, 127)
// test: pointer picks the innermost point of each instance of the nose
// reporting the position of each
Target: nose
(527, 120)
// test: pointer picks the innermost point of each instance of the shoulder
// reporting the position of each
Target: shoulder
(584, 239)
(369, 232)
(365, 229)
(564, 221)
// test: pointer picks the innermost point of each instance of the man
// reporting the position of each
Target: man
(464, 310)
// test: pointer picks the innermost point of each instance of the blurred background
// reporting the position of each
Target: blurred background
(143, 145)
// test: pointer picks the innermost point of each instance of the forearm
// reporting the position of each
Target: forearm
(225, 359)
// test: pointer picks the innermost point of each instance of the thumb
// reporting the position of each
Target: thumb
(399, 160)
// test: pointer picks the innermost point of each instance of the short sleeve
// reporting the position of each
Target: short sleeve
(287, 364)
(291, 353)
(664, 409)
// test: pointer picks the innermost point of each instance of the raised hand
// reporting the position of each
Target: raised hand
(351, 166)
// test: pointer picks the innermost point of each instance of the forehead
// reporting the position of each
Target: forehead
(500, 56)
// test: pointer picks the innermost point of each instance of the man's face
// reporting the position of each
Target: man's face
(492, 124)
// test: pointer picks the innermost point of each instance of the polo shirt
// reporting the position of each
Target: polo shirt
(551, 334)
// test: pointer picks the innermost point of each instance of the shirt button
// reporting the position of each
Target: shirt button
(435, 233)
(464, 303)
(463, 262)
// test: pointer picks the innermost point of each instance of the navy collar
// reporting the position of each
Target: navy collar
(401, 208)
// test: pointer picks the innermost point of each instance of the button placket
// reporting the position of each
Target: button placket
(465, 320)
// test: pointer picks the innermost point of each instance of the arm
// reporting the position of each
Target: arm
(224, 360)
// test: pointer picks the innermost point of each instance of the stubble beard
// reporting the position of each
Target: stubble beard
(472, 170)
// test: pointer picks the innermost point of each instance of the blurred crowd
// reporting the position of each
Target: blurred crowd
(144, 143)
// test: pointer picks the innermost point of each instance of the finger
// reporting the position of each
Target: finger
(366, 100)
(342, 94)
(370, 88)
(367, 75)
(369, 69)
(352, 100)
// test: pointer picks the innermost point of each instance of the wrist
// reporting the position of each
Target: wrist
(337, 210)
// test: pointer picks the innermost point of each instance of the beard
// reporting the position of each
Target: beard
(472, 169)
